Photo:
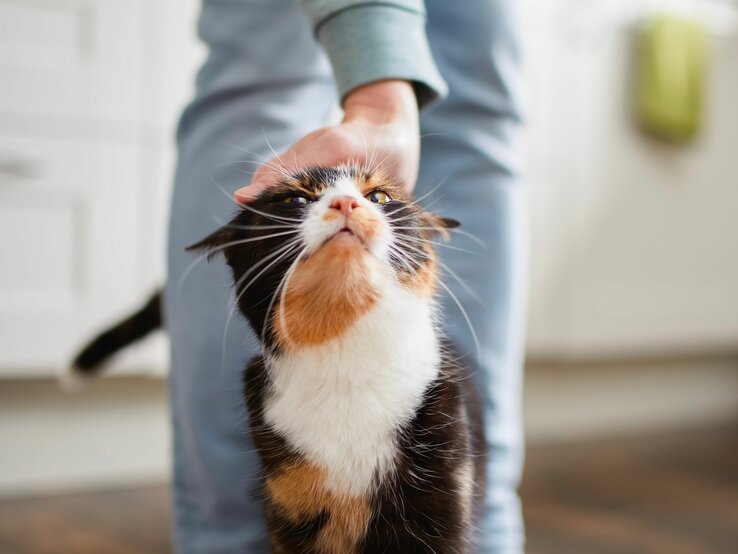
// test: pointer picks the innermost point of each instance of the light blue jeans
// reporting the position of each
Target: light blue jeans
(266, 78)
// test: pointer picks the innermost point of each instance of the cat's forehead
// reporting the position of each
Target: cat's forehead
(348, 179)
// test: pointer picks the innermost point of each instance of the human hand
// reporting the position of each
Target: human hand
(379, 129)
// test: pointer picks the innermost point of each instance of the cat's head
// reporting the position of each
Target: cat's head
(318, 250)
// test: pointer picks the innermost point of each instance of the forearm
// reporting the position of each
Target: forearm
(369, 41)
(382, 102)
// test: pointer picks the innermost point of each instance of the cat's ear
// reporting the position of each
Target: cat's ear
(439, 225)
(214, 242)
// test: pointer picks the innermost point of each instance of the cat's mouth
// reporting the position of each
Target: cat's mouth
(346, 234)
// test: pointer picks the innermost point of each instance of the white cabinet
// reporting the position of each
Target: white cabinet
(89, 98)
(68, 241)
(71, 58)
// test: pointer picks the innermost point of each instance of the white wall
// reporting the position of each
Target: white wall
(634, 242)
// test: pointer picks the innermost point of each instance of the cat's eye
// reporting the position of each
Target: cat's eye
(295, 200)
(378, 197)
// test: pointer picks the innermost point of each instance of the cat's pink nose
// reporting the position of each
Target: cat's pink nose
(345, 204)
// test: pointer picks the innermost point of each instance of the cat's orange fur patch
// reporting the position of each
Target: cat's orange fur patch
(365, 223)
(379, 181)
(327, 293)
(332, 215)
(300, 493)
(424, 281)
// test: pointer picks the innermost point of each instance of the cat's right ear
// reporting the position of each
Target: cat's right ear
(215, 242)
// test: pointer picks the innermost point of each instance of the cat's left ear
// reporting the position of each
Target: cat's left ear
(214, 242)
(439, 225)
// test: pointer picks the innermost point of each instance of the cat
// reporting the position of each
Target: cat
(369, 431)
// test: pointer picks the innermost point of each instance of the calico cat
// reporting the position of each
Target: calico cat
(369, 433)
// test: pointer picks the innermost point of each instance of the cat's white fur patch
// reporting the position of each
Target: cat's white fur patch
(315, 230)
(341, 403)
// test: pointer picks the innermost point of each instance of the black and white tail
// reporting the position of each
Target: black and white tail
(90, 360)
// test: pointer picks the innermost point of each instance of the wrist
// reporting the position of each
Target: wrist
(382, 102)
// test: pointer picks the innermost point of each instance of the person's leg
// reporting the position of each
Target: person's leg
(471, 144)
(265, 78)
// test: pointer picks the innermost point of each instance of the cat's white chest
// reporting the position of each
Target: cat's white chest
(340, 404)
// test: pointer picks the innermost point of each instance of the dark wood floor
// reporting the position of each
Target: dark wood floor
(674, 494)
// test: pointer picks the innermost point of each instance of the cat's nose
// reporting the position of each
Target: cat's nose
(345, 204)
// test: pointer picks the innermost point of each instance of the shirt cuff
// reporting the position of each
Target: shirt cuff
(375, 42)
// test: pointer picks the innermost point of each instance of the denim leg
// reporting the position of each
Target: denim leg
(265, 78)
(471, 145)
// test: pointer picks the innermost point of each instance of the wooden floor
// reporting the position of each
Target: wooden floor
(652, 495)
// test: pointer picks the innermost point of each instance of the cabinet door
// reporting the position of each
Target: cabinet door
(71, 58)
(69, 232)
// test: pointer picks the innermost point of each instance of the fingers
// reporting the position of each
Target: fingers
(263, 178)
(248, 193)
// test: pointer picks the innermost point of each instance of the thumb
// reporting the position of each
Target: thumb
(263, 179)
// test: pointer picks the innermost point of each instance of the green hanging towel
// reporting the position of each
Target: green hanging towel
(672, 80)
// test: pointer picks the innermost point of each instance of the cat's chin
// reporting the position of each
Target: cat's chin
(346, 236)
(346, 239)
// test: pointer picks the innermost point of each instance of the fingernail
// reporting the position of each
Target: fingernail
(243, 195)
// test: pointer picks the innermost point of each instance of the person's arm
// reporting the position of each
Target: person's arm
(369, 41)
(384, 73)
(380, 126)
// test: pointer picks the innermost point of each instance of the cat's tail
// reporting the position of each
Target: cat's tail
(90, 360)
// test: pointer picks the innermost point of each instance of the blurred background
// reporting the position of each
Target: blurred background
(631, 391)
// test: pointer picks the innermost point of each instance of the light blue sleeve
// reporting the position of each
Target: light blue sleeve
(370, 41)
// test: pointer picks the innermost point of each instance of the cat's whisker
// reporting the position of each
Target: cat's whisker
(401, 241)
(472, 237)
(263, 160)
(461, 282)
(372, 166)
(413, 216)
(380, 166)
(262, 237)
(220, 247)
(250, 174)
(466, 318)
(440, 244)
(277, 292)
(283, 293)
(258, 162)
(277, 218)
(417, 201)
(423, 253)
(244, 151)
(269, 144)
(427, 206)
(281, 253)
(408, 262)
(257, 227)
(363, 167)
(450, 271)
(224, 191)
(270, 226)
